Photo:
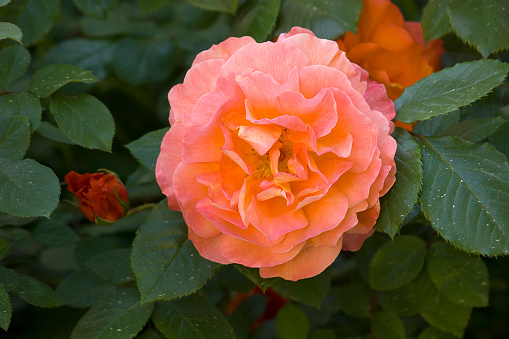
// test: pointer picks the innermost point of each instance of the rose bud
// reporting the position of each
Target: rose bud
(102, 197)
(391, 49)
(278, 153)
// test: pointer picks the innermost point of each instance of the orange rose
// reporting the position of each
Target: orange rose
(102, 198)
(278, 153)
(391, 50)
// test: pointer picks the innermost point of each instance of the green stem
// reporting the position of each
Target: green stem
(140, 208)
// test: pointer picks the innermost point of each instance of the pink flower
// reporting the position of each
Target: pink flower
(278, 153)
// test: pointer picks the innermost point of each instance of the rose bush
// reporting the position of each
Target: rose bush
(277, 153)
(102, 198)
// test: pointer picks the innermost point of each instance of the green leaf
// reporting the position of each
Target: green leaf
(96, 8)
(14, 61)
(92, 55)
(34, 17)
(138, 62)
(397, 262)
(438, 310)
(149, 6)
(4, 247)
(5, 309)
(253, 274)
(35, 292)
(114, 27)
(164, 260)
(475, 130)
(309, 291)
(14, 137)
(246, 314)
(85, 120)
(354, 299)
(402, 301)
(58, 258)
(51, 132)
(23, 104)
(435, 22)
(113, 265)
(327, 19)
(438, 124)
(387, 325)
(52, 77)
(256, 18)
(434, 333)
(292, 323)
(323, 333)
(228, 6)
(191, 317)
(4, 2)
(117, 315)
(9, 279)
(499, 139)
(467, 203)
(481, 23)
(83, 289)
(10, 31)
(53, 232)
(401, 198)
(29, 189)
(89, 247)
(445, 91)
(147, 148)
(234, 280)
(460, 277)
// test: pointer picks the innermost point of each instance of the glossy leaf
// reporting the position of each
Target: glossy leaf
(5, 309)
(397, 262)
(460, 277)
(499, 139)
(191, 317)
(14, 61)
(387, 325)
(253, 274)
(437, 125)
(138, 62)
(399, 201)
(85, 120)
(403, 301)
(291, 323)
(147, 148)
(4, 2)
(83, 289)
(52, 77)
(228, 6)
(164, 260)
(149, 6)
(447, 90)
(10, 31)
(51, 132)
(475, 130)
(14, 137)
(309, 291)
(96, 8)
(29, 189)
(481, 23)
(439, 311)
(23, 104)
(435, 22)
(34, 17)
(92, 55)
(113, 265)
(327, 19)
(35, 292)
(117, 315)
(466, 203)
(4, 247)
(256, 18)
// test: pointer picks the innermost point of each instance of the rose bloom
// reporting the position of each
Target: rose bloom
(96, 195)
(278, 153)
(391, 50)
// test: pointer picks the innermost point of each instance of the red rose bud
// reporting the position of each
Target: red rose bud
(102, 197)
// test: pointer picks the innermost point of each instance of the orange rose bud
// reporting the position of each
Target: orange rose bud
(102, 197)
(391, 50)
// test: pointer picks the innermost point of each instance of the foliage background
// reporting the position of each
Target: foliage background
(62, 276)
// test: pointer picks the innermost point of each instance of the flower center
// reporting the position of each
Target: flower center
(275, 160)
